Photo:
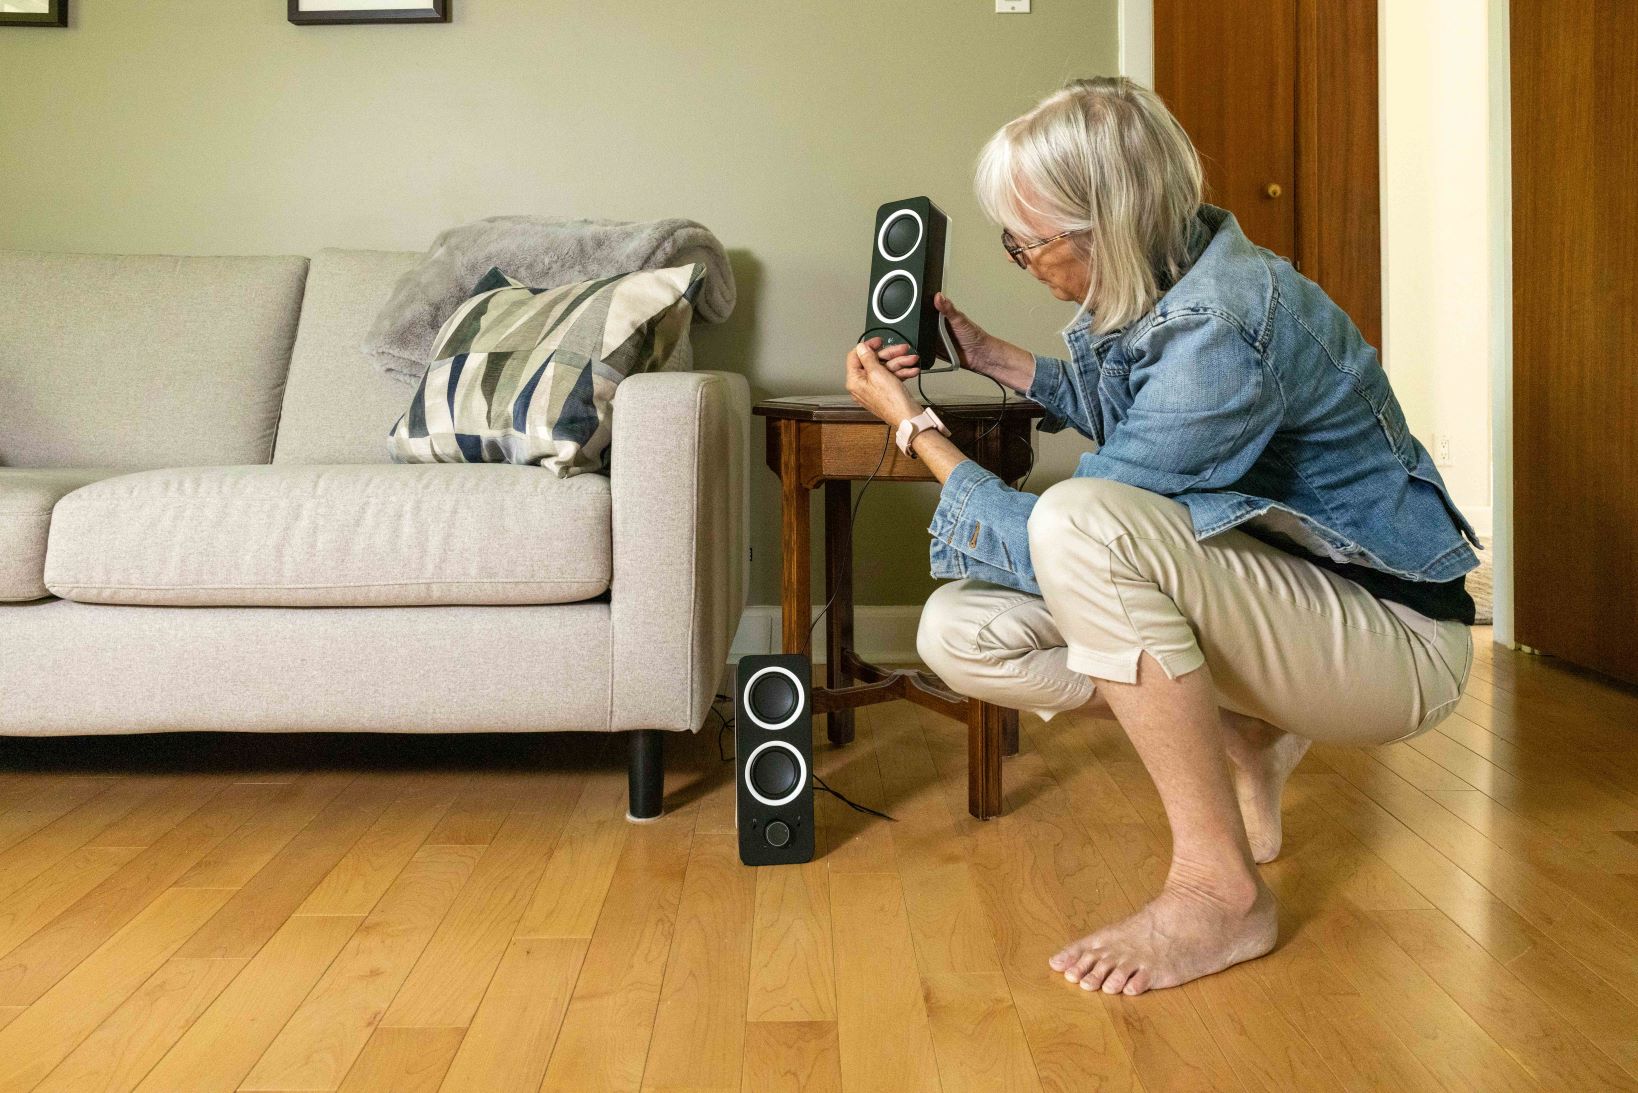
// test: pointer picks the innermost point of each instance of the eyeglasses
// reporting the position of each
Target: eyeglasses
(1017, 252)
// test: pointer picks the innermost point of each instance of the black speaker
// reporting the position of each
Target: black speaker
(906, 270)
(773, 759)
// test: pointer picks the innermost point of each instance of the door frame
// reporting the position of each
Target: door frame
(1135, 28)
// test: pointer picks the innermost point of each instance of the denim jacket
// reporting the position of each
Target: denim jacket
(1247, 395)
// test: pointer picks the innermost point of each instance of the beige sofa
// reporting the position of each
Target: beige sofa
(200, 529)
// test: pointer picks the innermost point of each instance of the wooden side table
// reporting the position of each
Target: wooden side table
(831, 440)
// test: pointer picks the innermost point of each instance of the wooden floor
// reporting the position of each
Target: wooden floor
(311, 913)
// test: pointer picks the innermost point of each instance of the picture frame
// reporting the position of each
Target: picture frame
(33, 13)
(335, 12)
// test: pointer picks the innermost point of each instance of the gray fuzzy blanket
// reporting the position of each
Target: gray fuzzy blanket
(542, 252)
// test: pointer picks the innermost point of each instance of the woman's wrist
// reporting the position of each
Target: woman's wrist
(1008, 364)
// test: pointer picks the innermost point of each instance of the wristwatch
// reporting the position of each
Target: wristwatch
(911, 427)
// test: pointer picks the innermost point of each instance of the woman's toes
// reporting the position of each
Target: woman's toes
(1117, 979)
(1081, 965)
(1093, 979)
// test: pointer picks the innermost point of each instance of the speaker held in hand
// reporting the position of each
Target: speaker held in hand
(773, 759)
(906, 272)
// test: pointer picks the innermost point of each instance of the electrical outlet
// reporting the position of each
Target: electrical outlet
(1012, 7)
(1441, 451)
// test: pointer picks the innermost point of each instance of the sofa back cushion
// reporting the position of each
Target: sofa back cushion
(339, 406)
(143, 360)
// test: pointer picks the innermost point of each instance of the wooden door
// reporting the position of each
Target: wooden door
(1280, 97)
(1228, 71)
(1575, 330)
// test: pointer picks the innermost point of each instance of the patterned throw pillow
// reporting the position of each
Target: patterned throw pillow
(527, 375)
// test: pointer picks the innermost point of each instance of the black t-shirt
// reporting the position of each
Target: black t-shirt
(1442, 600)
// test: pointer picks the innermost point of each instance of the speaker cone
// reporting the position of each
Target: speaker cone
(900, 235)
(895, 297)
(773, 698)
(775, 773)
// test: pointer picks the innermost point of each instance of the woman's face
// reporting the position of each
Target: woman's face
(1059, 265)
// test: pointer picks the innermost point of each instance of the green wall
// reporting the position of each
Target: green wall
(214, 126)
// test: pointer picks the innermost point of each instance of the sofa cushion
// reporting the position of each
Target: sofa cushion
(338, 406)
(300, 536)
(145, 361)
(26, 498)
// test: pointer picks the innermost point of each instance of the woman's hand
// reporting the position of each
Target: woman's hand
(978, 348)
(983, 352)
(877, 384)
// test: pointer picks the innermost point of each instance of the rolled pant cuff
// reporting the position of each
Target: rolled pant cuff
(1124, 668)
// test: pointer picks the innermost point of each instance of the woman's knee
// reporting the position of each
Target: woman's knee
(945, 635)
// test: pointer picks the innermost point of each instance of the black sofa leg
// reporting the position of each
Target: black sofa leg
(645, 774)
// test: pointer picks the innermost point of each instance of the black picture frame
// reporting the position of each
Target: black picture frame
(437, 13)
(54, 16)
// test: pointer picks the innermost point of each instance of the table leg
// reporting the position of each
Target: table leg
(1009, 732)
(796, 593)
(984, 724)
(839, 594)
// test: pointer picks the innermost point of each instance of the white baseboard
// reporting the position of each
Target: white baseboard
(885, 633)
(1480, 517)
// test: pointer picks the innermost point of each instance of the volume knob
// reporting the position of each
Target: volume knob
(778, 833)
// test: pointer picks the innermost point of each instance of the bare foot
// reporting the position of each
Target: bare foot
(1184, 934)
(1263, 758)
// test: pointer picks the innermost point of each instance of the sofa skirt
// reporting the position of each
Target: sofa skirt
(71, 669)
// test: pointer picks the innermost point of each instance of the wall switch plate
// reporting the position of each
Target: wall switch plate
(1012, 7)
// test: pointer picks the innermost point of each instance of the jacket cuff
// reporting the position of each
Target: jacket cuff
(952, 499)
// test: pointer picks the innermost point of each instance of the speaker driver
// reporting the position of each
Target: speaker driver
(773, 698)
(895, 297)
(775, 773)
(900, 235)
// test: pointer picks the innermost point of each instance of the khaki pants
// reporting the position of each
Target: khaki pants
(1121, 573)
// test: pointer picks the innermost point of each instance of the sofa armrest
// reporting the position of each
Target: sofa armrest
(678, 477)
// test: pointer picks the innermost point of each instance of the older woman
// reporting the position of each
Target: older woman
(1258, 554)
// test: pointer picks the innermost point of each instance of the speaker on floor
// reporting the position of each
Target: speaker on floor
(906, 270)
(773, 759)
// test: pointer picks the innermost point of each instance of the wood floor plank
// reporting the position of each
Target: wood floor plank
(33, 1044)
(405, 1060)
(238, 858)
(134, 1037)
(218, 1050)
(878, 986)
(603, 1044)
(1552, 1051)
(571, 891)
(31, 856)
(1448, 1042)
(51, 893)
(792, 976)
(373, 863)
(44, 803)
(512, 1034)
(791, 1057)
(50, 953)
(699, 1024)
(324, 1036)
(267, 900)
(449, 980)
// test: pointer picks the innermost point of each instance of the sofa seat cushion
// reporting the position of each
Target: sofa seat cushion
(333, 536)
(27, 496)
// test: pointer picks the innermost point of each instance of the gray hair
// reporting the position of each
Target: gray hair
(1102, 157)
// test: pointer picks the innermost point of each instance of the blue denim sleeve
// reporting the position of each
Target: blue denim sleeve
(1052, 389)
(1204, 408)
(981, 529)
